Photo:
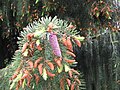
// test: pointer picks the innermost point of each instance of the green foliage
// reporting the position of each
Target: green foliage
(100, 66)
(23, 72)
(7, 72)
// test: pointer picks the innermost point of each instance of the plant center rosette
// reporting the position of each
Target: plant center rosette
(47, 57)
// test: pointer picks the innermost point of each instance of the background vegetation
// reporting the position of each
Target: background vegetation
(97, 20)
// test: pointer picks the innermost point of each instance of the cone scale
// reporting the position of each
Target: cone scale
(54, 44)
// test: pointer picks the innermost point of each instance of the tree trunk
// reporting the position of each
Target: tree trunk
(98, 59)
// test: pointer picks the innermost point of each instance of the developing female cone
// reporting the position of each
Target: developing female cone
(54, 44)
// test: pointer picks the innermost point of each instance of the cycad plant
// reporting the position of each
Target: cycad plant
(46, 57)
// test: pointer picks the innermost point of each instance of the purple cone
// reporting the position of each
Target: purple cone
(54, 44)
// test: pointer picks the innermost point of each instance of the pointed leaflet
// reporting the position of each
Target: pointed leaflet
(69, 44)
(38, 42)
(25, 53)
(77, 42)
(60, 69)
(67, 68)
(37, 78)
(70, 53)
(25, 45)
(40, 68)
(44, 75)
(37, 62)
(50, 74)
(38, 33)
(79, 38)
(50, 64)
